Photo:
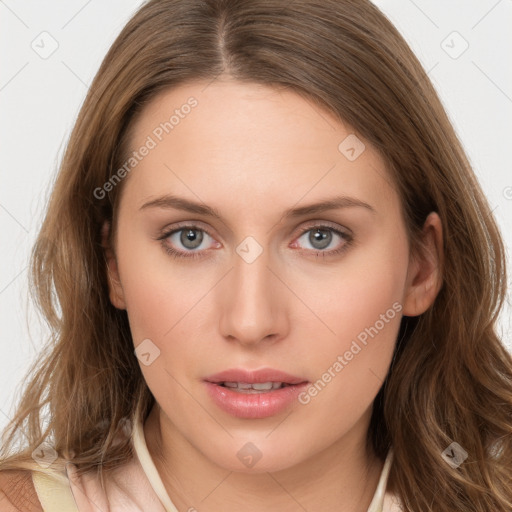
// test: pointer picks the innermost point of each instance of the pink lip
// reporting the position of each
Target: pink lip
(254, 376)
(257, 405)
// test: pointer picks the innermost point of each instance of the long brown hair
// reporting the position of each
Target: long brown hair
(451, 377)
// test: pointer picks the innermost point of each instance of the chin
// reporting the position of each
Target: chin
(253, 457)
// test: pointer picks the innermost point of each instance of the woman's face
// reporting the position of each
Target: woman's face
(261, 274)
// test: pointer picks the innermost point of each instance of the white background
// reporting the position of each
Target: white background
(40, 98)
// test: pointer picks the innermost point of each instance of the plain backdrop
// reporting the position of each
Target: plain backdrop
(51, 51)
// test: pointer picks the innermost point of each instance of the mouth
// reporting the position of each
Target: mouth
(254, 394)
(262, 380)
(256, 387)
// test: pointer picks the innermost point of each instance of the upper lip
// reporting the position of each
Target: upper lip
(254, 376)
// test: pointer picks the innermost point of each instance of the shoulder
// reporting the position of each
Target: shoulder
(17, 492)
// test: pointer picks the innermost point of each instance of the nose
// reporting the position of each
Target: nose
(253, 303)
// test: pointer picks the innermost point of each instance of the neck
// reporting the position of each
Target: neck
(342, 478)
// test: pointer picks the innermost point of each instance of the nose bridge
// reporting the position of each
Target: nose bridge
(251, 306)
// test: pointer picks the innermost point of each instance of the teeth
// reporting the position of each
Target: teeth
(264, 386)
(240, 385)
(257, 386)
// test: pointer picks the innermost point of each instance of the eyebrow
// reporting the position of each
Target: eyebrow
(172, 202)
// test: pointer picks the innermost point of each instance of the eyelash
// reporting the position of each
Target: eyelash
(196, 254)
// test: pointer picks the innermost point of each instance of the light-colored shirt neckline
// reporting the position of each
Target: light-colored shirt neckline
(380, 498)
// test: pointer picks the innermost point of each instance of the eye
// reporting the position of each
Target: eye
(185, 242)
(321, 237)
(190, 241)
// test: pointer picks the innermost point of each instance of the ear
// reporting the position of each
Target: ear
(116, 293)
(424, 275)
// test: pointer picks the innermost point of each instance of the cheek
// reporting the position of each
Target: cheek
(353, 295)
(360, 308)
(164, 306)
(158, 292)
(366, 301)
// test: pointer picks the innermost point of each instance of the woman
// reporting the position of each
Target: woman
(272, 278)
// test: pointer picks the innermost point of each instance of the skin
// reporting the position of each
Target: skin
(252, 152)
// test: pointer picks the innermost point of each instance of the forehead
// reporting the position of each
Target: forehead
(249, 146)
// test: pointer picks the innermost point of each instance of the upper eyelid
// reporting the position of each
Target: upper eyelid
(179, 226)
(312, 224)
(198, 225)
(324, 224)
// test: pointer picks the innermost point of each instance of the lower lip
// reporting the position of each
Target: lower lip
(254, 405)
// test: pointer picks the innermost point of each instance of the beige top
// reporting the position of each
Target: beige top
(137, 487)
